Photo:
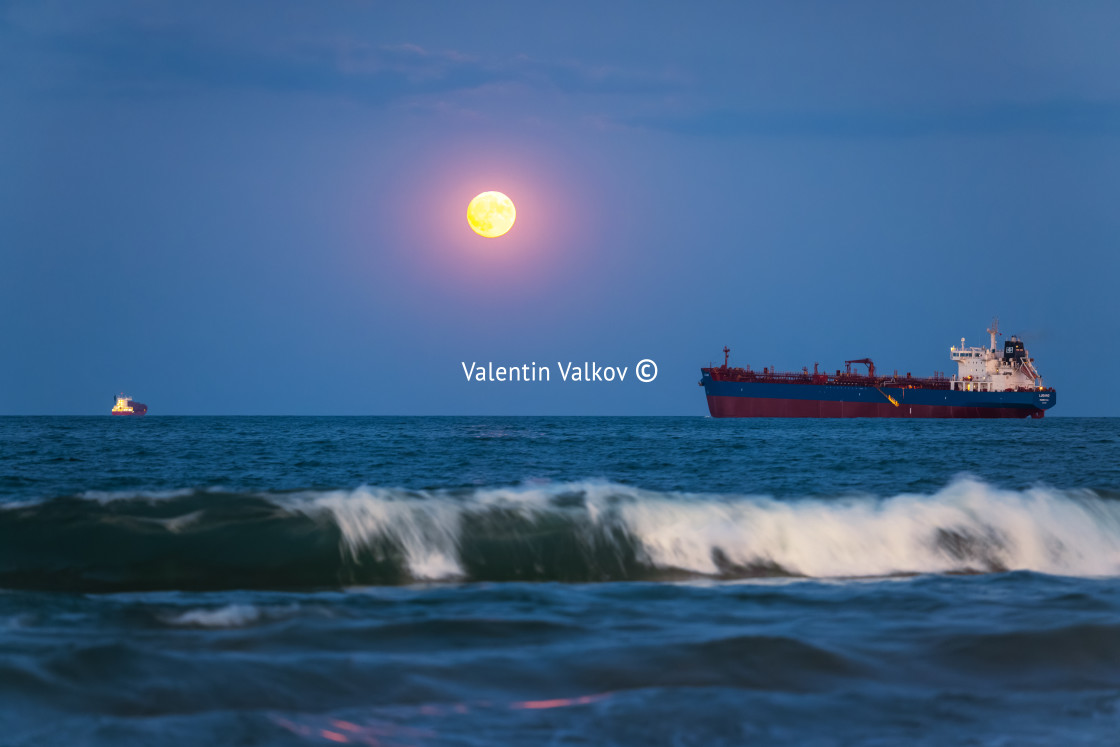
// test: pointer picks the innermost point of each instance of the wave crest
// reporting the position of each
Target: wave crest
(582, 531)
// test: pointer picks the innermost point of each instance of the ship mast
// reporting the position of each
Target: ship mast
(993, 331)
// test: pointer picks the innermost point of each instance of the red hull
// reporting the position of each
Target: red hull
(756, 407)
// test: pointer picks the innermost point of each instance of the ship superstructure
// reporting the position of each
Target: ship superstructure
(988, 370)
(125, 405)
(989, 383)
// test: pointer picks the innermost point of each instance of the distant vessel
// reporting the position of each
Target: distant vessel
(127, 406)
(987, 384)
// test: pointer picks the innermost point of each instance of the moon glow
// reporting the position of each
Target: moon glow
(491, 214)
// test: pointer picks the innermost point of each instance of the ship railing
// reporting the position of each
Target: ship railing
(742, 375)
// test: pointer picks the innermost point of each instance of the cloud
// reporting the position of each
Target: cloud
(162, 61)
(145, 59)
(1071, 116)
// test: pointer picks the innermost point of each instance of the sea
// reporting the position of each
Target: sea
(558, 581)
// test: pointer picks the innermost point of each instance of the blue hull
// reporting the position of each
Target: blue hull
(763, 399)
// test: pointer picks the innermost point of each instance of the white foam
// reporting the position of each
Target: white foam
(967, 526)
(426, 529)
(108, 496)
(229, 616)
(177, 524)
(1040, 529)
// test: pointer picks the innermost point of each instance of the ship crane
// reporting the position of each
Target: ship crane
(867, 361)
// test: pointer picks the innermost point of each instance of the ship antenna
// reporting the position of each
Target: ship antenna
(726, 353)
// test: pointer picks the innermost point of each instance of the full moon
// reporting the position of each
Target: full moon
(491, 214)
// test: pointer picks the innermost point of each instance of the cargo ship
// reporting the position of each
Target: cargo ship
(127, 406)
(989, 383)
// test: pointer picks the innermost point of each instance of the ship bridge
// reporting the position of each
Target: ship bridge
(989, 369)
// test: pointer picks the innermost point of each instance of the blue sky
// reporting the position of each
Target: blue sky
(259, 208)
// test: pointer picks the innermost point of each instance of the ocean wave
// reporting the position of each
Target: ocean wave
(228, 616)
(580, 532)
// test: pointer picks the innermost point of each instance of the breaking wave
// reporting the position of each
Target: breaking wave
(577, 532)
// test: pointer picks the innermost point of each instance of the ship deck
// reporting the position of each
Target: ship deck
(840, 378)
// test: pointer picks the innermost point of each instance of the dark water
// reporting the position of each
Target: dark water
(479, 581)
